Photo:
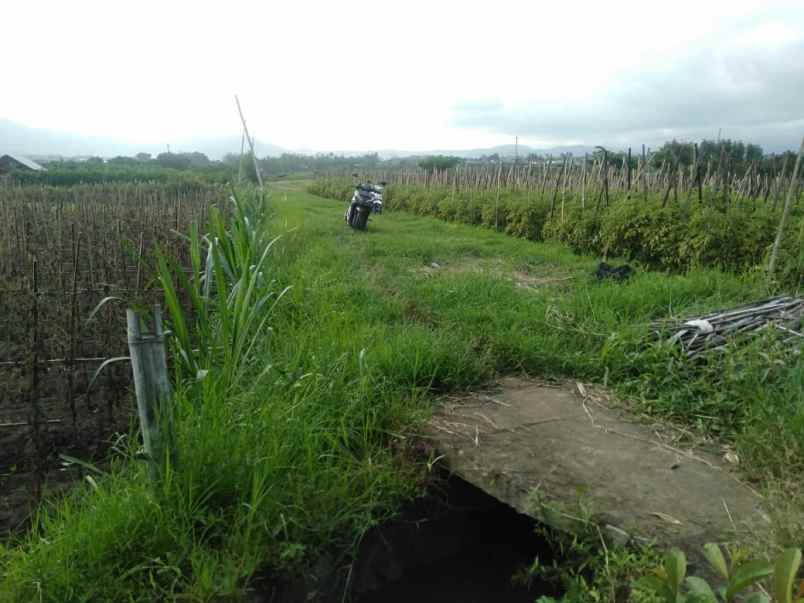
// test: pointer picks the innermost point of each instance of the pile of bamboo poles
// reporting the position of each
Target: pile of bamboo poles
(713, 331)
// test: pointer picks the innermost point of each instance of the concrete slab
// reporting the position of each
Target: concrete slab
(550, 450)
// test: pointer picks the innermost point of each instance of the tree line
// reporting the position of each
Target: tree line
(727, 155)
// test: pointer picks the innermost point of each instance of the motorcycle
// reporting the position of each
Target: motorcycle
(367, 199)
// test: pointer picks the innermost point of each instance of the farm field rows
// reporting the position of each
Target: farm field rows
(697, 227)
(62, 252)
(376, 326)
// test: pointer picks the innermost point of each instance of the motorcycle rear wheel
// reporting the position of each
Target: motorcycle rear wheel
(362, 220)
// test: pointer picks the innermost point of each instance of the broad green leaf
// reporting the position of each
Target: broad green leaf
(746, 575)
(757, 598)
(654, 584)
(675, 564)
(784, 574)
(716, 559)
(701, 589)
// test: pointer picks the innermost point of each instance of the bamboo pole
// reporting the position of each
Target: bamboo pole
(73, 324)
(152, 387)
(785, 213)
(250, 141)
(583, 183)
(644, 174)
(36, 409)
(778, 194)
(497, 201)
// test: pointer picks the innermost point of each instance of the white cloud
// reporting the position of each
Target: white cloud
(360, 74)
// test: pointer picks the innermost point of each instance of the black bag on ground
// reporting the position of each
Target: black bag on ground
(618, 273)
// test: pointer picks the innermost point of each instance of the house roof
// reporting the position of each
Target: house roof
(29, 163)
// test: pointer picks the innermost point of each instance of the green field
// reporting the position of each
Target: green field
(293, 463)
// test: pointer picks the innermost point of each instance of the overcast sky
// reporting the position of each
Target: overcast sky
(408, 75)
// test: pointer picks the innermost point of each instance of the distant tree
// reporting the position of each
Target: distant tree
(231, 159)
(197, 159)
(177, 161)
(120, 160)
(673, 153)
(143, 156)
(736, 153)
(439, 163)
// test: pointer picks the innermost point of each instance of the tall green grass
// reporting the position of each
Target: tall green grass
(283, 467)
(281, 463)
(472, 318)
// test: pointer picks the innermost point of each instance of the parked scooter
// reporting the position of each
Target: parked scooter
(366, 199)
(376, 197)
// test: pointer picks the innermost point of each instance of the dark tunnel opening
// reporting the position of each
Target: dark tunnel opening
(458, 544)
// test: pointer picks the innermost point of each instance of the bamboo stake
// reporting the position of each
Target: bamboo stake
(250, 142)
(72, 328)
(780, 182)
(497, 201)
(785, 213)
(152, 387)
(36, 410)
(583, 183)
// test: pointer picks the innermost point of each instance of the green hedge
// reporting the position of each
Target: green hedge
(675, 236)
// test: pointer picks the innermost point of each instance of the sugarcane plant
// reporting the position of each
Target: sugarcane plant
(230, 294)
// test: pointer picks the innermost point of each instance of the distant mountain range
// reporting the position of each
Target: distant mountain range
(52, 144)
(35, 142)
(505, 150)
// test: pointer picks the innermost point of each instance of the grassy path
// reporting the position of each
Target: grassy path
(466, 303)
(295, 461)
(445, 306)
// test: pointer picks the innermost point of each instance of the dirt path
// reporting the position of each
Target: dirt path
(543, 449)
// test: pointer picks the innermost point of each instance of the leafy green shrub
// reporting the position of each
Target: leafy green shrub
(672, 585)
(526, 220)
(675, 236)
(580, 229)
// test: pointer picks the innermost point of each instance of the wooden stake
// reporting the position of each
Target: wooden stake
(785, 212)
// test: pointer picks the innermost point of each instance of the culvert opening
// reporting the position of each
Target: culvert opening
(456, 544)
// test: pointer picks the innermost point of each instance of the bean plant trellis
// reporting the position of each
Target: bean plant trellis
(63, 251)
(666, 215)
